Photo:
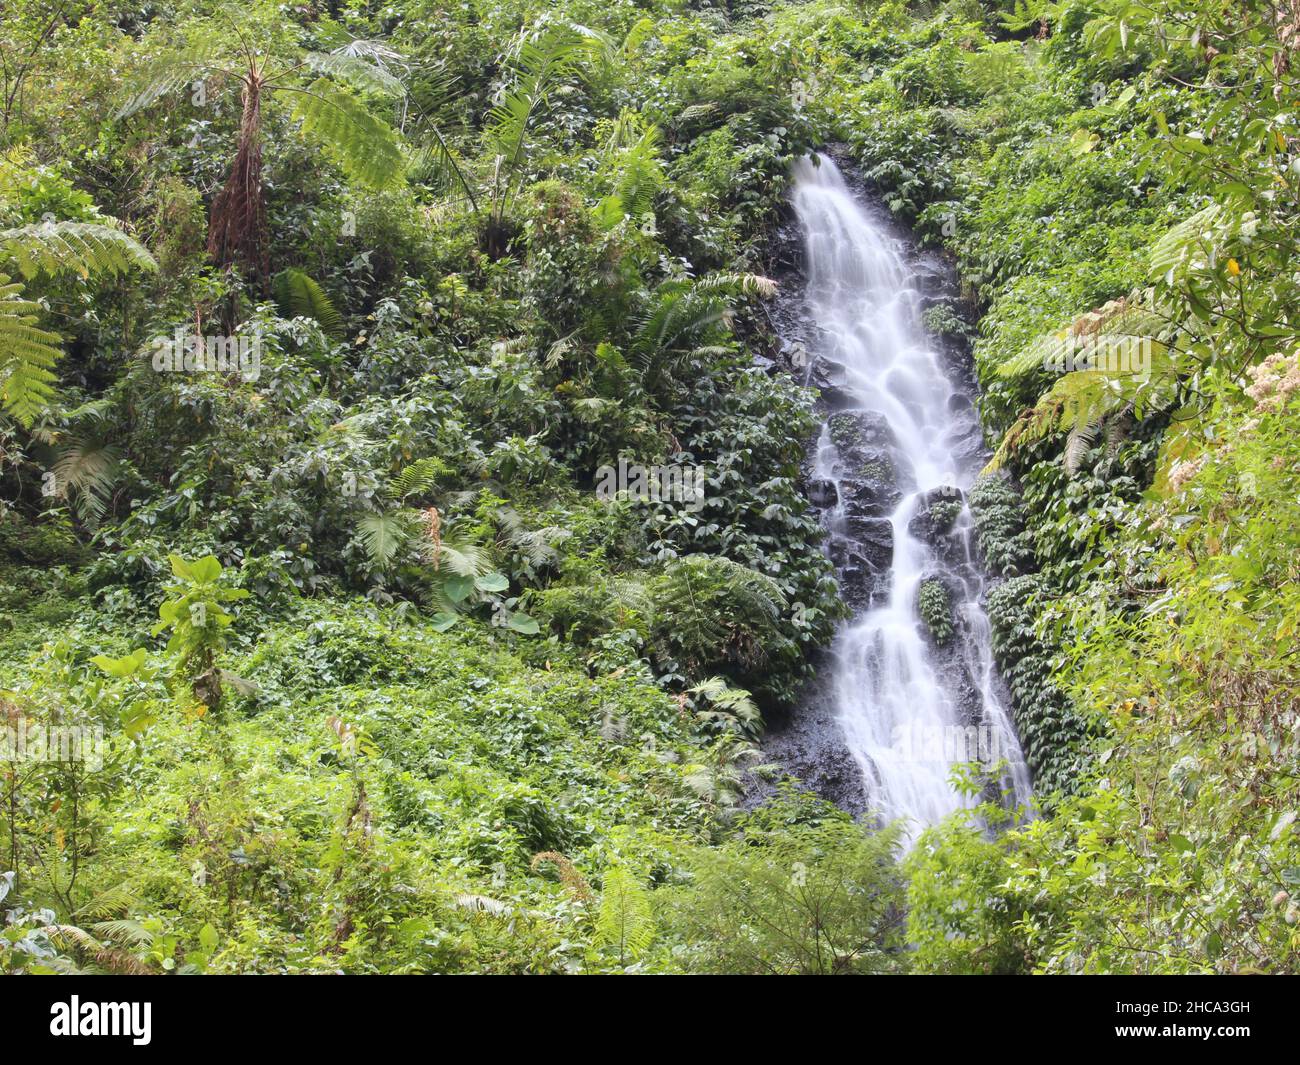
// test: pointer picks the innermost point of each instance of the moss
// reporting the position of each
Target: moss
(845, 431)
(876, 470)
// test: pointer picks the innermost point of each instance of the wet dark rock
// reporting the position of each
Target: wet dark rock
(873, 493)
(808, 744)
(822, 494)
(936, 514)
(862, 551)
(869, 483)
(874, 540)
(826, 376)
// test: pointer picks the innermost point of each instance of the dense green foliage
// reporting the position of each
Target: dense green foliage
(385, 686)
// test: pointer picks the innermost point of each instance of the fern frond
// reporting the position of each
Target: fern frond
(356, 71)
(364, 146)
(624, 920)
(737, 284)
(419, 478)
(729, 702)
(299, 296)
(693, 111)
(82, 248)
(27, 355)
(1106, 336)
(483, 904)
(70, 935)
(113, 902)
(169, 73)
(1197, 235)
(569, 875)
(1078, 443)
(123, 932)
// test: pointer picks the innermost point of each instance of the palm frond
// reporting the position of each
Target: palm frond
(437, 165)
(299, 296)
(461, 559)
(384, 535)
(86, 471)
(541, 59)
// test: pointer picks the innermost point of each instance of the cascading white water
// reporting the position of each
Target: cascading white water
(904, 712)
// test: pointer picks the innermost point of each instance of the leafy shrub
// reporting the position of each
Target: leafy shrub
(935, 606)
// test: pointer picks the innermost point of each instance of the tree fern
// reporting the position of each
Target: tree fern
(356, 70)
(1106, 336)
(459, 559)
(1111, 382)
(438, 165)
(363, 145)
(1080, 402)
(1195, 238)
(174, 69)
(27, 352)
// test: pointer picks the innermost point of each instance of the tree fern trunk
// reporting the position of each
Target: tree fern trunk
(237, 228)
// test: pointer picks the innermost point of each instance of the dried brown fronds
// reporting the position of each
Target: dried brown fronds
(573, 880)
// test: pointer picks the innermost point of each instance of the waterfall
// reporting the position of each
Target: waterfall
(900, 438)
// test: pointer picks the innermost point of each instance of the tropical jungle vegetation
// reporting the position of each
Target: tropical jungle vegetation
(383, 686)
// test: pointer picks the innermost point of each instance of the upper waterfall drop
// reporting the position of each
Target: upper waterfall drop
(892, 449)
